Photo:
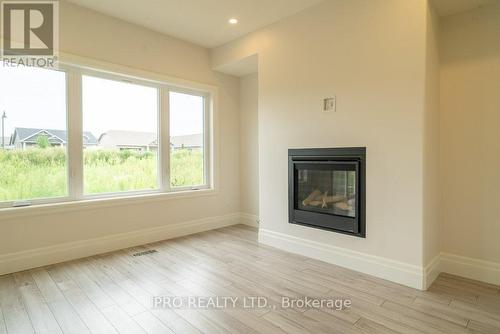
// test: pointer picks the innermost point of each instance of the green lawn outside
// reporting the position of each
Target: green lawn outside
(42, 173)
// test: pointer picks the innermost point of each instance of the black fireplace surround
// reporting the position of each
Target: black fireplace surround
(326, 189)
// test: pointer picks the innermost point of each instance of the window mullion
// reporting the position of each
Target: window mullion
(164, 139)
(75, 134)
(207, 142)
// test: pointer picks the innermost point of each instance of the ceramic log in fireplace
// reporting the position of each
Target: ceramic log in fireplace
(326, 189)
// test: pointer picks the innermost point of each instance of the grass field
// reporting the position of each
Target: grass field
(42, 173)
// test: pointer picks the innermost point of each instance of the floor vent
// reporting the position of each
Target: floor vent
(151, 251)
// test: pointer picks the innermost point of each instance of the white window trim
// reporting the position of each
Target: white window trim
(75, 67)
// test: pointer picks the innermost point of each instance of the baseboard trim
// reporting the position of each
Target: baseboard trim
(480, 270)
(249, 219)
(432, 271)
(396, 271)
(38, 257)
(399, 272)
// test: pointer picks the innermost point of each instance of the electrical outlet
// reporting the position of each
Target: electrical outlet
(329, 104)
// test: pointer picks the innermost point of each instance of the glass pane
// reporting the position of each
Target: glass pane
(33, 158)
(124, 119)
(327, 191)
(186, 140)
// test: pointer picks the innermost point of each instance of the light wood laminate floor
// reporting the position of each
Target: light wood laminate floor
(112, 293)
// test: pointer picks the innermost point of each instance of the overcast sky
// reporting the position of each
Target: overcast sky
(35, 98)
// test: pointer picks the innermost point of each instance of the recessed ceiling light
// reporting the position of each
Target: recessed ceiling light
(233, 21)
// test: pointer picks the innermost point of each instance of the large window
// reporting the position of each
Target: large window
(76, 133)
(125, 118)
(33, 158)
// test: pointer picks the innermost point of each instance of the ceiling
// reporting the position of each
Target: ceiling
(450, 7)
(203, 22)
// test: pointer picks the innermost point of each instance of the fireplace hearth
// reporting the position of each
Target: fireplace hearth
(326, 188)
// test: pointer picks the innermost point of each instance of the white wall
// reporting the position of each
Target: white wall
(372, 56)
(432, 191)
(89, 34)
(249, 145)
(470, 134)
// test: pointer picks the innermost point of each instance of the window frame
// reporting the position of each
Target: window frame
(206, 138)
(159, 111)
(74, 71)
(58, 199)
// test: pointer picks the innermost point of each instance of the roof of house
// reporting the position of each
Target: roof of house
(129, 138)
(120, 138)
(195, 140)
(55, 136)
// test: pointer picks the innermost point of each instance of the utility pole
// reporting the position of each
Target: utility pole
(3, 129)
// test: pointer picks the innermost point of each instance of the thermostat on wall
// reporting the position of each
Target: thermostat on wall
(329, 104)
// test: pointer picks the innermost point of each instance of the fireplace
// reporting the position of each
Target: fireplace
(326, 189)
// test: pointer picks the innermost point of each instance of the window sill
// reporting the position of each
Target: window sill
(98, 203)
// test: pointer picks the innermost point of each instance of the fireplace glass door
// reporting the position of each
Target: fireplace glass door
(327, 187)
